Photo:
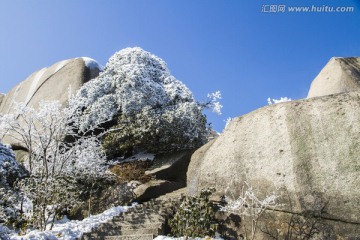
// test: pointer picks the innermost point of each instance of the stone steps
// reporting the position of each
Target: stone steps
(144, 221)
(131, 237)
(124, 232)
(129, 229)
(137, 225)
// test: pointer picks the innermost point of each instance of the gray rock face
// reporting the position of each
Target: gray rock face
(171, 166)
(339, 75)
(50, 84)
(308, 149)
(168, 173)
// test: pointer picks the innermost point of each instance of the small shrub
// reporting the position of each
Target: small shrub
(4, 231)
(195, 217)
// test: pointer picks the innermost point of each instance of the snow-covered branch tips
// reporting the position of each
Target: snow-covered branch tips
(57, 157)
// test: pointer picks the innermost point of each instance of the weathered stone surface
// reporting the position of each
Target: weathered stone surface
(1, 97)
(307, 148)
(49, 84)
(168, 173)
(171, 166)
(21, 155)
(339, 75)
(155, 188)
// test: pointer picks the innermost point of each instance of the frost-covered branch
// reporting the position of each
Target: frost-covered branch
(249, 205)
(54, 163)
(143, 104)
(227, 121)
(214, 103)
(274, 101)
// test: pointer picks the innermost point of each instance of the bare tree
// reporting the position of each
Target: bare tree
(53, 163)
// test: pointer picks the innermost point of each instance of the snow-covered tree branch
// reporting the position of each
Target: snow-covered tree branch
(214, 103)
(54, 163)
(274, 101)
(249, 205)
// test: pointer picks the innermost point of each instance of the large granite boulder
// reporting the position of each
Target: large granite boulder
(307, 151)
(339, 75)
(50, 83)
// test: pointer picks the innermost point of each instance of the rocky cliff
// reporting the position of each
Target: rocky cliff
(305, 151)
(52, 83)
(1, 97)
(339, 75)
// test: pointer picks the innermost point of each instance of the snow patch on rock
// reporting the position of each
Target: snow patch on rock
(91, 63)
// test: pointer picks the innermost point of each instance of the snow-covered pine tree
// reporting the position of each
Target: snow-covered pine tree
(152, 110)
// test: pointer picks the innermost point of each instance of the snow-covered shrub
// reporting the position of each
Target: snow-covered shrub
(195, 216)
(4, 233)
(10, 172)
(55, 165)
(274, 101)
(153, 110)
(10, 207)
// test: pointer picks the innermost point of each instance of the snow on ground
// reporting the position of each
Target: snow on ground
(70, 230)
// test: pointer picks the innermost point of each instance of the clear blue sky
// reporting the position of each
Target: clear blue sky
(226, 45)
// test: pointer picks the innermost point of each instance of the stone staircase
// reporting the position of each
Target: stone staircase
(142, 222)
